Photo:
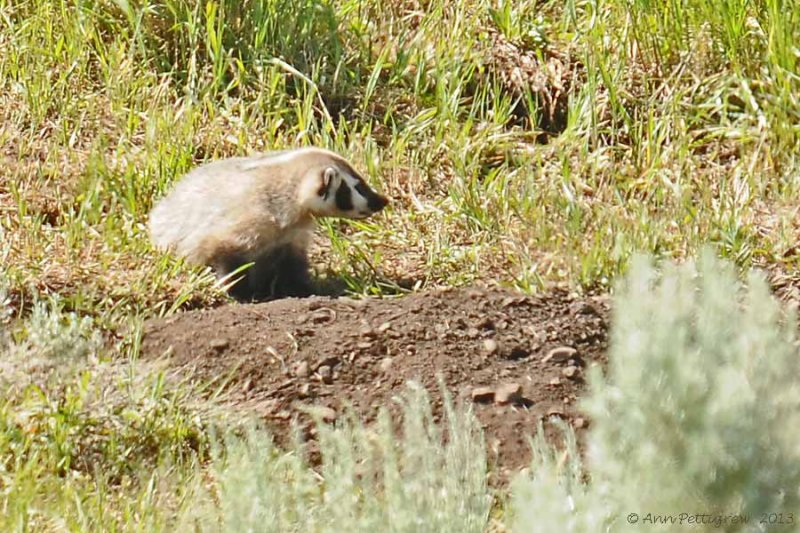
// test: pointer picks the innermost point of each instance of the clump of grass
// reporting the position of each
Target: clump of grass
(368, 478)
(86, 442)
(694, 415)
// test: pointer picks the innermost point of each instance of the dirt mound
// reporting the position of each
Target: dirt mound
(518, 358)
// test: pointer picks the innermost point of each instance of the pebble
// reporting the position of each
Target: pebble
(383, 328)
(560, 354)
(581, 308)
(576, 361)
(555, 381)
(516, 300)
(482, 394)
(485, 323)
(580, 423)
(508, 393)
(570, 372)
(490, 346)
(386, 364)
(301, 370)
(530, 330)
(325, 373)
(305, 390)
(219, 344)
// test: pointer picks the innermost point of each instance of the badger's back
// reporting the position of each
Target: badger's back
(204, 202)
(240, 201)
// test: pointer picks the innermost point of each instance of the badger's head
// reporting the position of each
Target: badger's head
(337, 190)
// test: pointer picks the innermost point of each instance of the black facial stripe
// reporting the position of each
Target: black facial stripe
(344, 197)
(362, 189)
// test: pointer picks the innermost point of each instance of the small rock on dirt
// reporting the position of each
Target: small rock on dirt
(576, 361)
(580, 423)
(325, 374)
(490, 346)
(560, 354)
(219, 344)
(583, 308)
(508, 393)
(570, 372)
(386, 364)
(301, 369)
(485, 323)
(512, 300)
(482, 394)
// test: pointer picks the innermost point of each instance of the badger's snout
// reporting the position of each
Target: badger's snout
(376, 202)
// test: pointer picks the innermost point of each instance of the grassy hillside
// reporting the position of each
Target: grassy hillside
(524, 142)
(521, 141)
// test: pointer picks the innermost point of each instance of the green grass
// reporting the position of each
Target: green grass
(527, 142)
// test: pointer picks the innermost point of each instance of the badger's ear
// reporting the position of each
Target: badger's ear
(328, 182)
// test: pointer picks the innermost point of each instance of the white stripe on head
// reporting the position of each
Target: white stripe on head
(359, 201)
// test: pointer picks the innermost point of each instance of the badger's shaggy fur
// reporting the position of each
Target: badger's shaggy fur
(260, 209)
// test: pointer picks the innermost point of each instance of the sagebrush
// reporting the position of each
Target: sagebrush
(694, 414)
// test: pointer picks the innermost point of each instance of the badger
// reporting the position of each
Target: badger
(260, 210)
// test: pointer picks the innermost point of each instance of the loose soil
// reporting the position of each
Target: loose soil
(278, 357)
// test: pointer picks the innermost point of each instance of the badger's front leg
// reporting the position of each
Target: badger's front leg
(283, 272)
(225, 265)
